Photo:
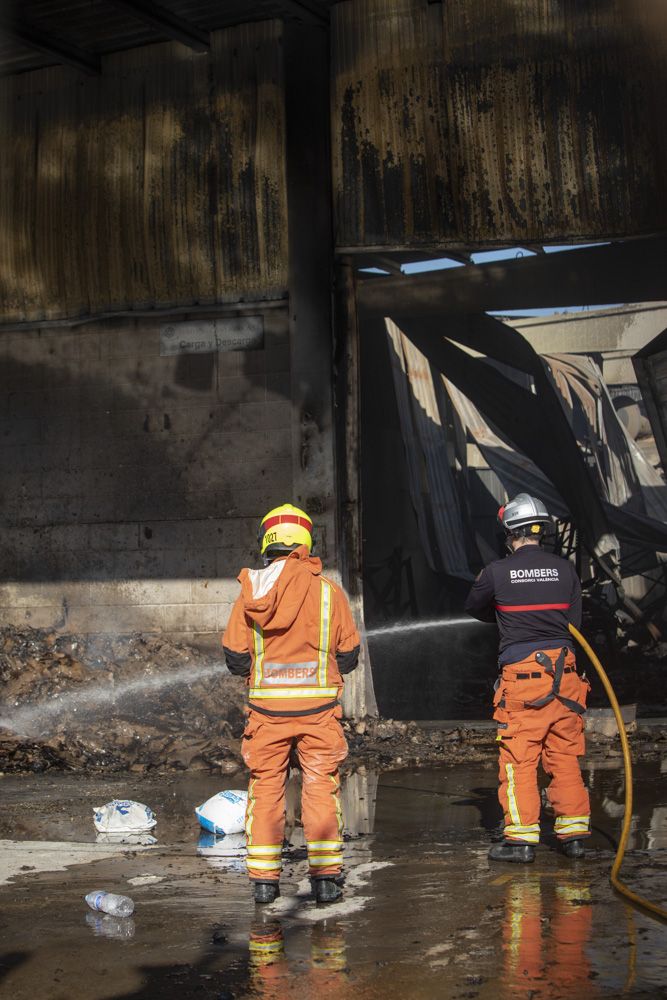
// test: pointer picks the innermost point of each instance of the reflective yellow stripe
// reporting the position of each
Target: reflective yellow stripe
(271, 946)
(320, 861)
(267, 866)
(303, 692)
(574, 895)
(272, 849)
(572, 824)
(325, 845)
(511, 796)
(325, 630)
(250, 809)
(528, 834)
(516, 930)
(526, 838)
(259, 652)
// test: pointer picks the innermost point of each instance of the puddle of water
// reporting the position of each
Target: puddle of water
(424, 915)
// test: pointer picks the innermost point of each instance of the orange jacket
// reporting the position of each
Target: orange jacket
(291, 633)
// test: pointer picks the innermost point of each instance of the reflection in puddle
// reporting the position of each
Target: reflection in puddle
(546, 934)
(605, 781)
(274, 964)
(321, 970)
(106, 925)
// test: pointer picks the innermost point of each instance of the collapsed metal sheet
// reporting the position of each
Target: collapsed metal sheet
(432, 486)
(632, 495)
(626, 479)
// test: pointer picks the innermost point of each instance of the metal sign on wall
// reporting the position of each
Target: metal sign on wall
(206, 336)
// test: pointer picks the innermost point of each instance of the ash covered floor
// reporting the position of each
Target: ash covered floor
(424, 914)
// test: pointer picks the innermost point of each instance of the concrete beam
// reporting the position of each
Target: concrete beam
(168, 24)
(308, 10)
(34, 38)
(633, 271)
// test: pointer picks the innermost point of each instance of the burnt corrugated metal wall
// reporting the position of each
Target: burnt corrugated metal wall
(482, 121)
(161, 183)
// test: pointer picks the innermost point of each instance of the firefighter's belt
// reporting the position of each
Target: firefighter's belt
(557, 671)
(538, 673)
(285, 714)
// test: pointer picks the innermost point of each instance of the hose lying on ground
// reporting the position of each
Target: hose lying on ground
(652, 908)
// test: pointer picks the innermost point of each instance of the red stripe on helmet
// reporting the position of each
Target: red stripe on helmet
(303, 522)
(532, 607)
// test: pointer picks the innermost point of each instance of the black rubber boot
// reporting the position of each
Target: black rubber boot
(326, 890)
(520, 854)
(266, 892)
(573, 849)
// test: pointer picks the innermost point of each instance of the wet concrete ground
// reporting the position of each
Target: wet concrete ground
(424, 915)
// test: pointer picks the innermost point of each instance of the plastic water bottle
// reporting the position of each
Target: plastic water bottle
(109, 902)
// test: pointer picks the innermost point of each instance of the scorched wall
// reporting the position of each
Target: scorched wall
(132, 482)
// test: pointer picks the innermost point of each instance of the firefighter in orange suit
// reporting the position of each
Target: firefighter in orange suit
(291, 634)
(540, 699)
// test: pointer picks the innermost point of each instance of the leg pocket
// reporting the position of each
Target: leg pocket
(502, 719)
(252, 728)
(498, 697)
(338, 741)
(584, 690)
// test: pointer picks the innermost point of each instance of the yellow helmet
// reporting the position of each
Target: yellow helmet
(283, 529)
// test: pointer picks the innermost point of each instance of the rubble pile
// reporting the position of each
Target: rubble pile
(142, 703)
(90, 702)
(389, 743)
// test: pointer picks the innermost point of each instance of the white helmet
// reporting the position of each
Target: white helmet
(524, 512)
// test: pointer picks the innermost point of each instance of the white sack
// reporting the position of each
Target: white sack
(123, 816)
(223, 813)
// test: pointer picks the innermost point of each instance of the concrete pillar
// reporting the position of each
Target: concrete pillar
(359, 696)
(310, 266)
(315, 473)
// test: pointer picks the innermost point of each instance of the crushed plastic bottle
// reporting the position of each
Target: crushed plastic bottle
(109, 902)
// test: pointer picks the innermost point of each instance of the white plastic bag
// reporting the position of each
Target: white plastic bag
(123, 816)
(223, 813)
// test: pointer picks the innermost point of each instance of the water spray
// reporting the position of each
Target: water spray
(31, 721)
(386, 630)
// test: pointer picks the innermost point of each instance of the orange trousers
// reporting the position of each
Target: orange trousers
(552, 734)
(321, 746)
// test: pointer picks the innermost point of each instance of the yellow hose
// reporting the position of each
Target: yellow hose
(645, 904)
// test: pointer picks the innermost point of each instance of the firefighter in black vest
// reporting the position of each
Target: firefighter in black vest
(540, 699)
